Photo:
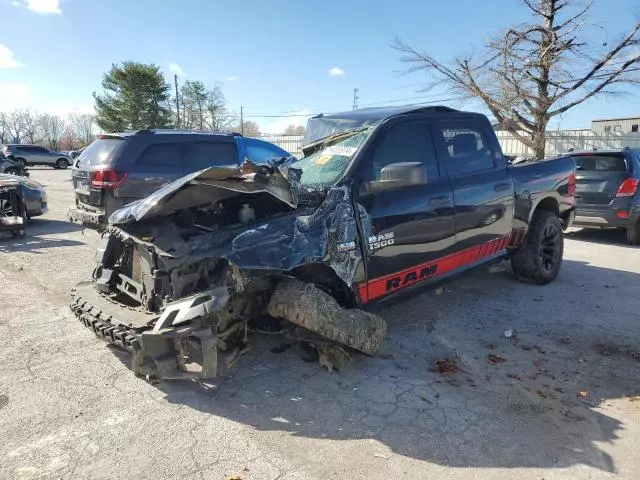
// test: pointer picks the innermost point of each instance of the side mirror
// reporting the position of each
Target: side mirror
(399, 175)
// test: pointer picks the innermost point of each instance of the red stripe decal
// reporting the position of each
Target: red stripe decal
(381, 286)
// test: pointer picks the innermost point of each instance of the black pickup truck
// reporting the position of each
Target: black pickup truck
(384, 200)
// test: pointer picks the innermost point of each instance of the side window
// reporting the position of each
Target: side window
(161, 155)
(261, 153)
(466, 150)
(406, 142)
(199, 155)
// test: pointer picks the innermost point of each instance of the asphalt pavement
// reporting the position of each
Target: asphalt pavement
(452, 396)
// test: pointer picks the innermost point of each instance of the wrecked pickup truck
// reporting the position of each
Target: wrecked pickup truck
(384, 200)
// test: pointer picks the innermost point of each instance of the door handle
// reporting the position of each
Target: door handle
(499, 187)
(440, 201)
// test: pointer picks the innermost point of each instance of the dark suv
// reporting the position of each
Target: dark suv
(120, 168)
(607, 193)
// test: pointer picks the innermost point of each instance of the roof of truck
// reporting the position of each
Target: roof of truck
(379, 113)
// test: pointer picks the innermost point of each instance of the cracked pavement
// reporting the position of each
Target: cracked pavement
(560, 405)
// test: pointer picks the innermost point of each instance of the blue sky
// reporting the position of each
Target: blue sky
(272, 57)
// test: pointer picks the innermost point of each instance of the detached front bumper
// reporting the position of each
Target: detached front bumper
(180, 343)
(90, 219)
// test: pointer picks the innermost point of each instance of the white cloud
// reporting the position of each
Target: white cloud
(13, 95)
(6, 58)
(44, 7)
(175, 68)
(276, 126)
(233, 79)
(336, 72)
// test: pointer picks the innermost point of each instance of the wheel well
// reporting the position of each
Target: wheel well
(62, 159)
(549, 205)
(326, 279)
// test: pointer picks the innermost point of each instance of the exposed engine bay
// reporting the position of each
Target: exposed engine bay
(189, 271)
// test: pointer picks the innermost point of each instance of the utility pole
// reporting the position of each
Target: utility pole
(241, 122)
(355, 98)
(175, 81)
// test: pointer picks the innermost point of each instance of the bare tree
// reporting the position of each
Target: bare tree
(217, 118)
(202, 108)
(15, 126)
(536, 71)
(30, 126)
(82, 126)
(248, 128)
(52, 128)
(294, 130)
(4, 128)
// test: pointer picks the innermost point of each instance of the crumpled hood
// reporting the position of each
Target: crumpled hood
(203, 187)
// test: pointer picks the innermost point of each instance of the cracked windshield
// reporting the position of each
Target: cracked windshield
(325, 167)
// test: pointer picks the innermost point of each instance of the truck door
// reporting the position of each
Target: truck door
(411, 226)
(483, 190)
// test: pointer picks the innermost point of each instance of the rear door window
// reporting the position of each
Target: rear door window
(199, 155)
(163, 155)
(101, 152)
(466, 150)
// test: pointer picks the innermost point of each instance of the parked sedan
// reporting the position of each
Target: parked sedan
(34, 195)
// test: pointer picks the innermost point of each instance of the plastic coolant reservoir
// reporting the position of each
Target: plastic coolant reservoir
(247, 214)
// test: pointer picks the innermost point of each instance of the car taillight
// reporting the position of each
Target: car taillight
(571, 185)
(108, 178)
(628, 188)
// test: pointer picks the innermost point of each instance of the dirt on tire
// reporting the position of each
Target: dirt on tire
(309, 307)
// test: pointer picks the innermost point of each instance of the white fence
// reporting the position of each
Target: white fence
(558, 142)
(290, 143)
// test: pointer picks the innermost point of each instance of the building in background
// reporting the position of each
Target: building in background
(616, 125)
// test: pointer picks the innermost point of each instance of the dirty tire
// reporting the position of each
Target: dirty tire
(309, 307)
(633, 234)
(539, 258)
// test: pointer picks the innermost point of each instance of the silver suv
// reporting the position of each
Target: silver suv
(29, 155)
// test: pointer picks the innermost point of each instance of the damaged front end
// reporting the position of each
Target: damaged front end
(182, 275)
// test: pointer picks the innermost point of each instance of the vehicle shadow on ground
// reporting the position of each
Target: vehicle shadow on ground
(37, 228)
(601, 236)
(540, 401)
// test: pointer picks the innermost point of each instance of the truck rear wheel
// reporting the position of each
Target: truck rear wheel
(539, 258)
(309, 307)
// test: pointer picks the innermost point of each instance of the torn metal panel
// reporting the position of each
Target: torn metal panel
(213, 184)
(192, 273)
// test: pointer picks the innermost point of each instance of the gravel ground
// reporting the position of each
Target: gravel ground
(556, 400)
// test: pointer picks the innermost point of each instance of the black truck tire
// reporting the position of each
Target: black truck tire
(309, 307)
(539, 258)
(633, 234)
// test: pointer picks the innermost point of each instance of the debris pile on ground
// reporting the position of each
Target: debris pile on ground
(491, 358)
(445, 366)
